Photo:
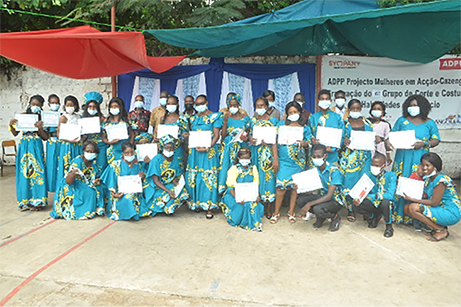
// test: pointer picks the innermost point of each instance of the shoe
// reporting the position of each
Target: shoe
(374, 221)
(389, 232)
(319, 222)
(351, 216)
(434, 239)
(291, 218)
(274, 218)
(209, 215)
(334, 226)
(426, 228)
(417, 225)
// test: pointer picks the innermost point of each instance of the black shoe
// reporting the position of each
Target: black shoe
(318, 222)
(389, 232)
(374, 221)
(334, 226)
(426, 228)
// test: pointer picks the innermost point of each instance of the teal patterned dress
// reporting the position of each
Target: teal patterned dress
(130, 205)
(448, 213)
(157, 199)
(114, 152)
(83, 199)
(406, 161)
(292, 160)
(230, 149)
(353, 163)
(52, 157)
(261, 156)
(249, 214)
(178, 150)
(102, 156)
(203, 167)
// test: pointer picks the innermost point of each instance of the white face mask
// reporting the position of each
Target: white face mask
(340, 102)
(293, 117)
(260, 112)
(245, 162)
(139, 104)
(271, 104)
(355, 115)
(35, 109)
(114, 111)
(92, 111)
(201, 108)
(171, 108)
(413, 111)
(301, 103)
(431, 174)
(162, 101)
(324, 104)
(233, 110)
(54, 107)
(375, 170)
(167, 153)
(318, 162)
(129, 158)
(70, 110)
(376, 113)
(90, 156)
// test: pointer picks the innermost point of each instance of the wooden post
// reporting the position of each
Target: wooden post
(112, 29)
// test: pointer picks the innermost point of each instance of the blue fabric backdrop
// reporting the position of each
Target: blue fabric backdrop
(259, 74)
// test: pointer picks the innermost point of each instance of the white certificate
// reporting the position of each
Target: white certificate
(290, 135)
(329, 136)
(90, 125)
(402, 139)
(411, 187)
(117, 132)
(167, 129)
(149, 150)
(26, 122)
(361, 188)
(266, 134)
(180, 186)
(246, 191)
(308, 180)
(69, 132)
(50, 119)
(363, 140)
(199, 139)
(129, 184)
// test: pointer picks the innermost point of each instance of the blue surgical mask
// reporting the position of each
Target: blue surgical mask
(92, 111)
(271, 104)
(129, 158)
(35, 109)
(318, 162)
(89, 155)
(376, 113)
(139, 104)
(413, 111)
(167, 153)
(260, 112)
(340, 102)
(355, 115)
(324, 104)
(293, 117)
(171, 108)
(233, 110)
(162, 101)
(54, 107)
(201, 108)
(245, 162)
(114, 111)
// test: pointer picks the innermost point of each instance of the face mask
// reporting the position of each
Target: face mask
(293, 117)
(201, 108)
(430, 175)
(233, 110)
(129, 158)
(318, 162)
(414, 111)
(70, 110)
(162, 101)
(92, 111)
(324, 104)
(189, 107)
(171, 108)
(301, 103)
(89, 155)
(35, 109)
(340, 102)
(376, 113)
(139, 104)
(114, 111)
(272, 104)
(375, 170)
(54, 107)
(245, 162)
(355, 115)
(260, 112)
(167, 153)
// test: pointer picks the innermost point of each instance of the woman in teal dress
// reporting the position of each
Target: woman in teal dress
(291, 160)
(415, 111)
(163, 176)
(247, 215)
(262, 154)
(31, 189)
(125, 206)
(442, 207)
(353, 163)
(203, 163)
(52, 148)
(117, 115)
(234, 123)
(81, 195)
(92, 108)
(68, 149)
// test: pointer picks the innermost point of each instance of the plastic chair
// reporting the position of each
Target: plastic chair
(6, 144)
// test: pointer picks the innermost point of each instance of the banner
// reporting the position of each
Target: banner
(370, 79)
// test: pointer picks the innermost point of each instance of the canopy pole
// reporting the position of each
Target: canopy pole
(318, 85)
(112, 29)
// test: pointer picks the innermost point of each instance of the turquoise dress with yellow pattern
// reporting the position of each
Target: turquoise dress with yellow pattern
(262, 157)
(406, 161)
(114, 152)
(157, 199)
(230, 149)
(203, 167)
(178, 149)
(102, 156)
(449, 211)
(83, 199)
(130, 205)
(292, 159)
(52, 157)
(249, 214)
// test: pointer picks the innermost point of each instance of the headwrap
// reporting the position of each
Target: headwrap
(167, 139)
(144, 136)
(234, 97)
(92, 96)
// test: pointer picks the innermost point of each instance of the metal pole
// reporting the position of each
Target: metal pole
(112, 29)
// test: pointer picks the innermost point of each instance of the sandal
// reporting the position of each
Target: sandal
(432, 238)
(291, 218)
(274, 218)
(351, 217)
(209, 215)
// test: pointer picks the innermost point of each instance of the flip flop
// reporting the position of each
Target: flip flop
(432, 238)
(209, 215)
(351, 218)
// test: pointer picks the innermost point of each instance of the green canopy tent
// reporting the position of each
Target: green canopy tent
(419, 32)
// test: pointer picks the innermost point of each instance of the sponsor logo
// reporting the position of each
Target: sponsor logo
(454, 119)
(448, 64)
(344, 64)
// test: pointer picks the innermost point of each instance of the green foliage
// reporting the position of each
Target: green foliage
(391, 3)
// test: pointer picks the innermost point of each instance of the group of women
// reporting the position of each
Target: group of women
(85, 172)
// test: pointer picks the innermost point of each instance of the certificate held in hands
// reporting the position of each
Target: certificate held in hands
(90, 125)
(329, 136)
(307, 181)
(266, 134)
(362, 188)
(167, 130)
(117, 132)
(290, 135)
(402, 139)
(199, 139)
(50, 119)
(362, 140)
(149, 150)
(26, 122)
(411, 187)
(129, 184)
(246, 191)
(69, 132)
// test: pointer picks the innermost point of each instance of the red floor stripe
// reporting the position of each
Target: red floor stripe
(27, 233)
(31, 277)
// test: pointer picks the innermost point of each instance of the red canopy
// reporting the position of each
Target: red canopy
(82, 52)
